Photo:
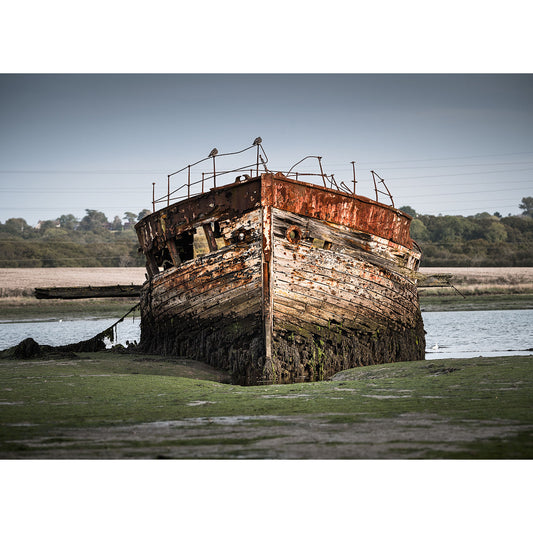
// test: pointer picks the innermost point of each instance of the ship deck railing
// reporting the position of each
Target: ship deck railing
(192, 186)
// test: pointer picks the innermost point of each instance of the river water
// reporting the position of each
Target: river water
(450, 334)
(492, 333)
(57, 332)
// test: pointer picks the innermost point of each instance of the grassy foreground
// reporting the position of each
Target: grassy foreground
(105, 405)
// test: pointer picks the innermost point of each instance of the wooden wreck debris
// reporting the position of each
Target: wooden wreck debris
(72, 293)
(434, 280)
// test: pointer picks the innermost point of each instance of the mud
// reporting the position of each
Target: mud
(408, 436)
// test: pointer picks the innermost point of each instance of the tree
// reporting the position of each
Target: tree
(143, 213)
(116, 225)
(485, 215)
(46, 225)
(17, 226)
(130, 217)
(68, 221)
(419, 232)
(496, 232)
(527, 206)
(93, 221)
(409, 210)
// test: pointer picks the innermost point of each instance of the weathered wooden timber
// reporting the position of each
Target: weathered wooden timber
(73, 293)
(296, 281)
(434, 280)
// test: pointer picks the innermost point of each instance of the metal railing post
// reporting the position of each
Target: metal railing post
(354, 180)
(375, 185)
(321, 171)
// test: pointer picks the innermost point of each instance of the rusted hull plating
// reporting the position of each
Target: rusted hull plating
(297, 282)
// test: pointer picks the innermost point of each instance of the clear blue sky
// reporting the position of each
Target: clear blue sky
(450, 144)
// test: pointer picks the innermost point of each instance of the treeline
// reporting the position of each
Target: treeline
(92, 241)
(481, 240)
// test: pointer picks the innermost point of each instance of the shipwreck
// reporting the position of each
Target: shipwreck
(274, 278)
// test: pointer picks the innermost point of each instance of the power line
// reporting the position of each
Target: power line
(461, 193)
(447, 158)
(458, 174)
(103, 172)
(440, 184)
(471, 209)
(165, 172)
(344, 167)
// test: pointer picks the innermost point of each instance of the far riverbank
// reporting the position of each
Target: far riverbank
(477, 289)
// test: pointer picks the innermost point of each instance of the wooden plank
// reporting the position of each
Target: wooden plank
(364, 246)
(174, 254)
(316, 285)
(352, 301)
(309, 257)
(336, 280)
(218, 282)
(234, 301)
(187, 299)
(293, 308)
(200, 276)
(313, 263)
(74, 293)
(331, 308)
(209, 235)
(151, 265)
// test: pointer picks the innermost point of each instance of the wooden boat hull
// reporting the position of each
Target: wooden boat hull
(299, 282)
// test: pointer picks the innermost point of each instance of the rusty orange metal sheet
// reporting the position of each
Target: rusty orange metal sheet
(355, 212)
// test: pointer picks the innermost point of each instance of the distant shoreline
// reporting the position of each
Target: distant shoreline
(483, 288)
(476, 302)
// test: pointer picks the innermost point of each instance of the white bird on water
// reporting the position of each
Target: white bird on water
(436, 347)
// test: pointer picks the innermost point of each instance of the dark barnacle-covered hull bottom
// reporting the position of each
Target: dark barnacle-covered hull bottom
(294, 282)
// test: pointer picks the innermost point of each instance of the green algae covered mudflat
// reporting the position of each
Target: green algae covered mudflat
(104, 405)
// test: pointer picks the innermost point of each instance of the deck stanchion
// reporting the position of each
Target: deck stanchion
(354, 180)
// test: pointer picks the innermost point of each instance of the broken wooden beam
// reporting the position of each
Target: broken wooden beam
(434, 280)
(73, 293)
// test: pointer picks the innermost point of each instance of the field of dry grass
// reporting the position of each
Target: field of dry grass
(16, 282)
(22, 281)
(486, 274)
(483, 288)
(496, 280)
